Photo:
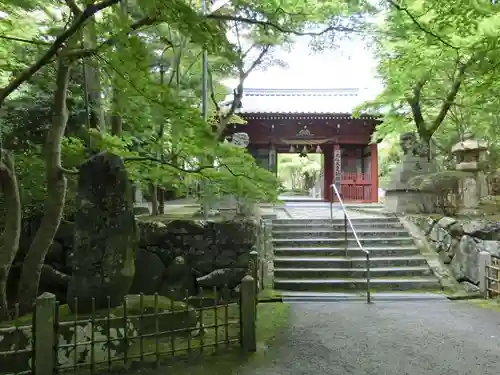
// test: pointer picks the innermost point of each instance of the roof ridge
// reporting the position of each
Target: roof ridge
(305, 100)
(301, 92)
(302, 89)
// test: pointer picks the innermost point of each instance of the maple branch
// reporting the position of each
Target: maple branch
(53, 50)
(416, 108)
(212, 91)
(419, 25)
(251, 21)
(450, 97)
(73, 6)
(195, 171)
(22, 40)
(224, 118)
(163, 162)
(81, 53)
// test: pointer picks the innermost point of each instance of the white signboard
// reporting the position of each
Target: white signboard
(240, 140)
(337, 167)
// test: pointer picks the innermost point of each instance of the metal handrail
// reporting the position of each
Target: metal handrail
(347, 221)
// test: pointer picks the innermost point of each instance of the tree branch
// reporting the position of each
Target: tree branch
(78, 54)
(251, 21)
(212, 91)
(419, 25)
(452, 93)
(73, 6)
(416, 108)
(194, 171)
(224, 118)
(47, 57)
(22, 40)
(163, 162)
(71, 172)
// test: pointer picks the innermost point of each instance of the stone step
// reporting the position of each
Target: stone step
(362, 234)
(344, 262)
(377, 283)
(335, 242)
(337, 225)
(360, 296)
(355, 221)
(327, 273)
(379, 251)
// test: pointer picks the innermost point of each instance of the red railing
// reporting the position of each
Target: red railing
(356, 177)
(359, 193)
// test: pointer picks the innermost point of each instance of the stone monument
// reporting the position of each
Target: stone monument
(400, 196)
(105, 238)
(469, 155)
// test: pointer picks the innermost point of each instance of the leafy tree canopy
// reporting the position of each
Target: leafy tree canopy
(438, 62)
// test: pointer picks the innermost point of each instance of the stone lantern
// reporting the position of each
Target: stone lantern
(469, 155)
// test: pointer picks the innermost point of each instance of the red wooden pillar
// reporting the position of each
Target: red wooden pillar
(327, 171)
(374, 172)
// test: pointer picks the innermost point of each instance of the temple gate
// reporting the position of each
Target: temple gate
(310, 121)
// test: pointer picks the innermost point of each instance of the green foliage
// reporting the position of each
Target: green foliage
(148, 77)
(438, 63)
(293, 169)
(30, 170)
(389, 156)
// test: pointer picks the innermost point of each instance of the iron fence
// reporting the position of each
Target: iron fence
(141, 330)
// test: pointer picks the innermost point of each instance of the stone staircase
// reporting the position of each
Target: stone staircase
(310, 256)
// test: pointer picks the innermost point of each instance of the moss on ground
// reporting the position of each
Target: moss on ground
(182, 355)
(271, 318)
(492, 304)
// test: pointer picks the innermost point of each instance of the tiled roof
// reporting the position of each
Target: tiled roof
(298, 101)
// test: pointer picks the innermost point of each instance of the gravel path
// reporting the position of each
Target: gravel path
(386, 338)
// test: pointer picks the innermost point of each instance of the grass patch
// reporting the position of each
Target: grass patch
(492, 304)
(222, 331)
(269, 293)
(271, 318)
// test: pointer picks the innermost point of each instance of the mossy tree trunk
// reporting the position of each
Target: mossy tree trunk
(9, 240)
(56, 193)
(153, 192)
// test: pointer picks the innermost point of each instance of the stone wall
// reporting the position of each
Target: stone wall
(172, 257)
(459, 242)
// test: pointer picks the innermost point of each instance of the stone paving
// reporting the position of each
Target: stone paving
(390, 337)
(386, 338)
(319, 210)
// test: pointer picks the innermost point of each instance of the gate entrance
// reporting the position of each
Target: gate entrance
(309, 122)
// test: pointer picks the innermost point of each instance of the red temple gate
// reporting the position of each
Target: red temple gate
(281, 121)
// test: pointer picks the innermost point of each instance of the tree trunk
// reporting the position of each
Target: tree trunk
(153, 190)
(9, 241)
(93, 77)
(56, 194)
(117, 101)
(116, 118)
(161, 201)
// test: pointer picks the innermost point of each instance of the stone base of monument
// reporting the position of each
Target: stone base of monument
(408, 201)
(468, 211)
